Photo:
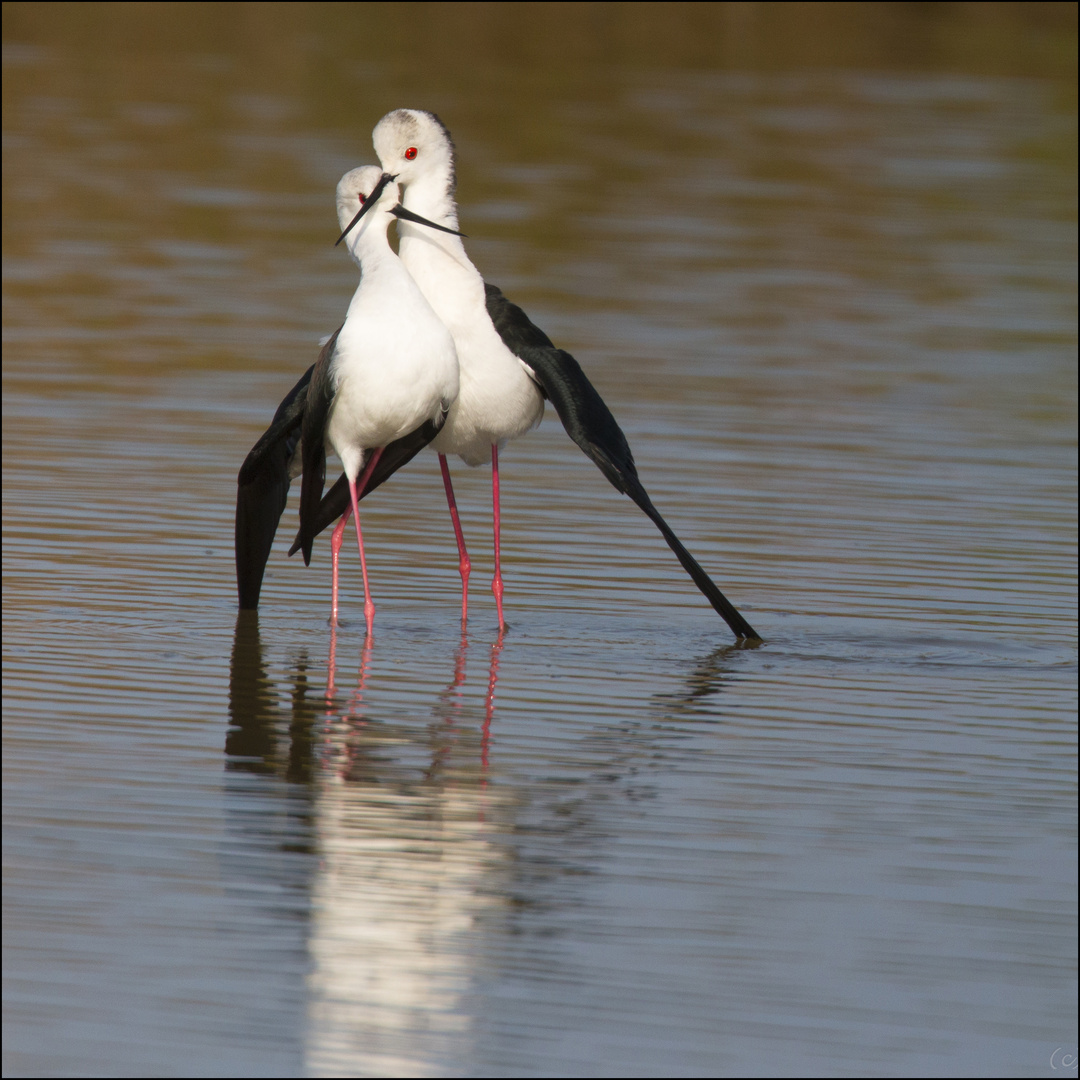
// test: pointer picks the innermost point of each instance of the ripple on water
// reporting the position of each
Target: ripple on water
(843, 349)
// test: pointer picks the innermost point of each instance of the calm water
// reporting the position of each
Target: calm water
(830, 295)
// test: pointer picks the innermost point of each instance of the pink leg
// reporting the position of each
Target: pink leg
(335, 548)
(496, 581)
(356, 488)
(464, 565)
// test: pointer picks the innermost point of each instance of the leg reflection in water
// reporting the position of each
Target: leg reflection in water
(489, 706)
(452, 708)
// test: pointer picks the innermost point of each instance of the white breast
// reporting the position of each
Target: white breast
(497, 400)
(395, 365)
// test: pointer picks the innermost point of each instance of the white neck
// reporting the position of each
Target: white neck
(368, 242)
(437, 260)
(430, 197)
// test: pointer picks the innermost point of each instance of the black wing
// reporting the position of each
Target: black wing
(320, 398)
(267, 472)
(263, 489)
(588, 421)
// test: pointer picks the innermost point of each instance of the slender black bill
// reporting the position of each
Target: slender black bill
(399, 211)
(369, 202)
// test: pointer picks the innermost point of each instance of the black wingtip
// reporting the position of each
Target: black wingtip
(259, 506)
(721, 604)
(311, 490)
(589, 422)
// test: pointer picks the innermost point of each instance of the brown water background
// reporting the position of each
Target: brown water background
(820, 259)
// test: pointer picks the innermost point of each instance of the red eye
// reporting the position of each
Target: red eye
(363, 198)
(410, 153)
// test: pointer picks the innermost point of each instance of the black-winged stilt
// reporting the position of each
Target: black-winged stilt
(507, 365)
(378, 393)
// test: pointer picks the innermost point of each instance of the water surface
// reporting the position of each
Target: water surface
(831, 298)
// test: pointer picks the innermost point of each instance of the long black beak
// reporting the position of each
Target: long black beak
(399, 211)
(369, 202)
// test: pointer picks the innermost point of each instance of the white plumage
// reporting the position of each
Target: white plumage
(498, 400)
(390, 370)
(394, 365)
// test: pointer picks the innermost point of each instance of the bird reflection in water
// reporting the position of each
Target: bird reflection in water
(400, 817)
(254, 743)
(361, 679)
(309, 732)
(418, 858)
(704, 683)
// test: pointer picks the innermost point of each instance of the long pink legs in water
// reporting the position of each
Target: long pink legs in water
(356, 489)
(464, 563)
(496, 581)
(335, 547)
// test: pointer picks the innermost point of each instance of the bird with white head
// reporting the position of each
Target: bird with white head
(390, 372)
(508, 366)
(378, 394)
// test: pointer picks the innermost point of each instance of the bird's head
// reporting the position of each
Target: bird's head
(362, 190)
(415, 146)
(359, 192)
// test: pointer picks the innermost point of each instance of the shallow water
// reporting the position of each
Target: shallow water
(833, 307)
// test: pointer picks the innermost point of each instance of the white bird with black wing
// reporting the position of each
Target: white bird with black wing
(390, 372)
(276, 459)
(508, 366)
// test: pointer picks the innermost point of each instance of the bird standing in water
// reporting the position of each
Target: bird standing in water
(390, 372)
(508, 366)
(276, 460)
